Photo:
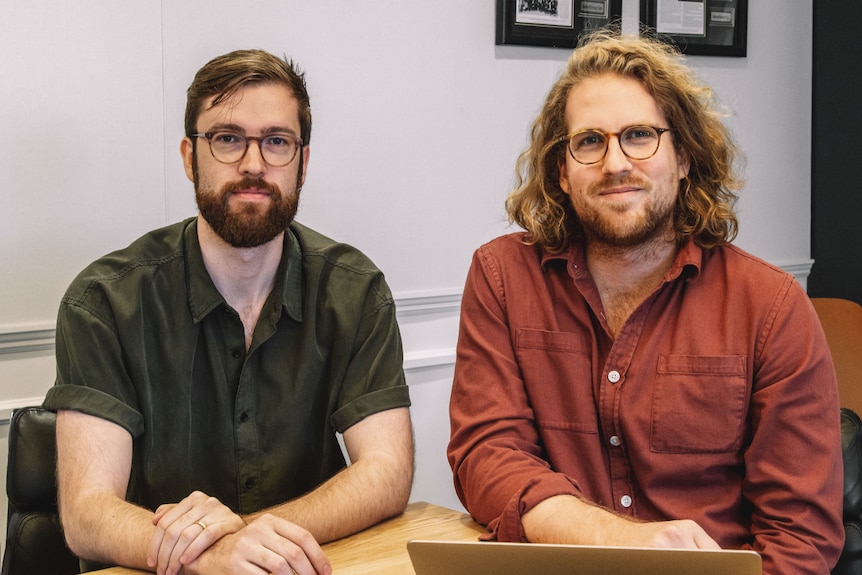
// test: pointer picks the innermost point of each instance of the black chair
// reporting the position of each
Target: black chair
(850, 562)
(34, 537)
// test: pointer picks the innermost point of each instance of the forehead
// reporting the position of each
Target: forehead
(610, 102)
(253, 108)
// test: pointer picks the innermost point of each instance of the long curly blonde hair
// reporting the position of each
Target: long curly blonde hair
(705, 204)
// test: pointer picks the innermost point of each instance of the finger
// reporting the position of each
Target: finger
(161, 538)
(704, 541)
(284, 558)
(175, 520)
(168, 516)
(160, 512)
(199, 534)
(304, 553)
(175, 539)
(214, 531)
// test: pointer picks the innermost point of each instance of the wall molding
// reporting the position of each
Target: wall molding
(26, 338)
(17, 340)
(410, 306)
(425, 302)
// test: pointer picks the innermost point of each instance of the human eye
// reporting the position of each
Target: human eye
(279, 142)
(227, 139)
(639, 135)
(588, 140)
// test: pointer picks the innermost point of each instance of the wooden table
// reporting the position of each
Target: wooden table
(382, 549)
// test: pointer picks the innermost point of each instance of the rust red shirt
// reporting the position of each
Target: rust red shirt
(716, 402)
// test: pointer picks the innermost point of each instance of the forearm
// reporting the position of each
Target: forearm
(102, 528)
(92, 478)
(358, 497)
(375, 486)
(568, 519)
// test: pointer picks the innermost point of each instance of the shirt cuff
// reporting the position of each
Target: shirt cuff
(508, 526)
(94, 402)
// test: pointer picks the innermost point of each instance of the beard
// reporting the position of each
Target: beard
(252, 224)
(616, 230)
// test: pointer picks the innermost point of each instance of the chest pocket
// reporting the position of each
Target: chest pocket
(556, 368)
(699, 404)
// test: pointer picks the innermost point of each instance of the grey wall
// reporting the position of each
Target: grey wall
(418, 121)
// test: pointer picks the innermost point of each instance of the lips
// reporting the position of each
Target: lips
(251, 188)
(619, 190)
(253, 192)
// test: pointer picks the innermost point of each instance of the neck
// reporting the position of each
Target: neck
(244, 276)
(626, 276)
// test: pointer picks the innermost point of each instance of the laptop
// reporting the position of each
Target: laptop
(494, 558)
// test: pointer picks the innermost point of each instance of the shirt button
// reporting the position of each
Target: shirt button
(626, 501)
(614, 376)
(237, 354)
(243, 417)
(615, 440)
(249, 483)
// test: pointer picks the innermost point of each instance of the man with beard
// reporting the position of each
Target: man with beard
(624, 374)
(204, 371)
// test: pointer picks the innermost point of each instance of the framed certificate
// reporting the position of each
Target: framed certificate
(700, 27)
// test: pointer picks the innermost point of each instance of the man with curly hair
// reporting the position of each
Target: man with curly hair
(625, 375)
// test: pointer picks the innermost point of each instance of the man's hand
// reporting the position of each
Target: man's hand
(186, 529)
(268, 544)
(679, 534)
(568, 519)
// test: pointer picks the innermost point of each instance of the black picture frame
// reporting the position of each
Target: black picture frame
(552, 23)
(723, 29)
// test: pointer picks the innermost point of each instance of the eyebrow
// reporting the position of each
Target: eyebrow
(240, 130)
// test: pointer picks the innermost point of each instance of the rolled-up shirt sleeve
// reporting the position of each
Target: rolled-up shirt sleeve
(500, 470)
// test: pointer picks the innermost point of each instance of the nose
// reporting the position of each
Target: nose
(615, 161)
(252, 162)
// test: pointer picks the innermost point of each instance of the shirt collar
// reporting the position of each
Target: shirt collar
(203, 297)
(688, 259)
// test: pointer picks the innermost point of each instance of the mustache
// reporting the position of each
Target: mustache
(251, 183)
(611, 181)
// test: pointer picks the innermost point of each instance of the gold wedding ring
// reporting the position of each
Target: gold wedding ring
(201, 523)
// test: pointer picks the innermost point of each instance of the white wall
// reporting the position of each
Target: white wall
(418, 119)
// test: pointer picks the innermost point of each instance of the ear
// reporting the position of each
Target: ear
(683, 164)
(306, 153)
(187, 151)
(561, 167)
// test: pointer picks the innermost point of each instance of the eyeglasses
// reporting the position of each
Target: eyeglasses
(277, 150)
(637, 142)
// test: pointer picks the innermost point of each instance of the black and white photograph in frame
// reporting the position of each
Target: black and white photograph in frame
(554, 23)
(545, 13)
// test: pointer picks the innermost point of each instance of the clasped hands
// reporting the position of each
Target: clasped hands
(202, 534)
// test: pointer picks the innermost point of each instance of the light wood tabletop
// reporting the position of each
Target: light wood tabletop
(382, 549)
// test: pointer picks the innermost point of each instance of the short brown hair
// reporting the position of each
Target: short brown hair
(704, 209)
(221, 77)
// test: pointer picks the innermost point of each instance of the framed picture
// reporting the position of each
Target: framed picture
(555, 23)
(700, 27)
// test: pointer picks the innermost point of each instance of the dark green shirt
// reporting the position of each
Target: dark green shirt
(146, 341)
